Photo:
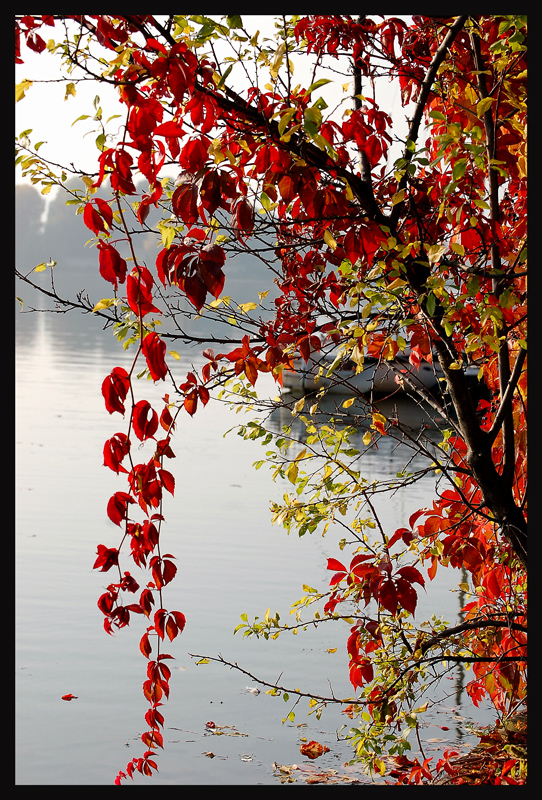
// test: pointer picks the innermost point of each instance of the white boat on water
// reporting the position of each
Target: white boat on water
(380, 377)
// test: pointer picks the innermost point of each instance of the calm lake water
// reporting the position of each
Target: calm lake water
(230, 560)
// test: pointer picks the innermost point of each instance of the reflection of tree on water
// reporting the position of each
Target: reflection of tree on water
(414, 428)
(460, 668)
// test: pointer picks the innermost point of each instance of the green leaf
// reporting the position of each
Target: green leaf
(459, 169)
(313, 120)
(285, 119)
(317, 85)
(223, 78)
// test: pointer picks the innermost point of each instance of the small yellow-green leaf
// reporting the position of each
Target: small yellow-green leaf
(319, 83)
(175, 355)
(168, 234)
(457, 248)
(40, 267)
(285, 119)
(396, 284)
(104, 303)
(202, 661)
(483, 105)
(398, 197)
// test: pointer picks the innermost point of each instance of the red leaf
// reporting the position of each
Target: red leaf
(117, 506)
(168, 481)
(69, 697)
(406, 595)
(185, 203)
(160, 621)
(401, 533)
(415, 516)
(93, 220)
(170, 129)
(171, 628)
(115, 449)
(387, 595)
(412, 575)
(139, 285)
(107, 558)
(332, 563)
(154, 349)
(169, 571)
(144, 420)
(180, 619)
(361, 672)
(191, 402)
(114, 390)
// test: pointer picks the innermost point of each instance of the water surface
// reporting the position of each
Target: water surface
(230, 560)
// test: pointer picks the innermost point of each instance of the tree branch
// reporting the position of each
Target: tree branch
(506, 399)
(427, 84)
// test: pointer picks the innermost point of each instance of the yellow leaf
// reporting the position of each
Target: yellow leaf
(379, 765)
(175, 355)
(291, 472)
(40, 267)
(454, 365)
(299, 405)
(483, 106)
(458, 248)
(398, 197)
(70, 90)
(329, 240)
(277, 61)
(396, 284)
(349, 402)
(105, 303)
(244, 307)
(434, 252)
(367, 438)
(21, 88)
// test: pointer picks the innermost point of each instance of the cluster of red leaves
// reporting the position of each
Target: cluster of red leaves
(373, 580)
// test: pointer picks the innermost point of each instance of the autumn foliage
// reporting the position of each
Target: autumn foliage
(424, 256)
